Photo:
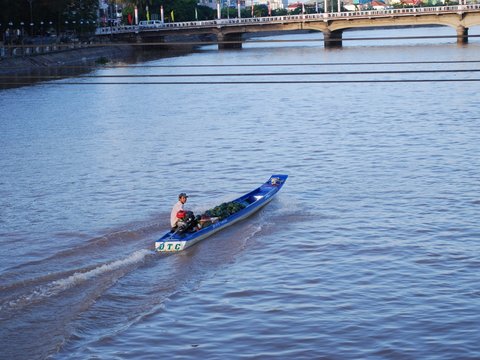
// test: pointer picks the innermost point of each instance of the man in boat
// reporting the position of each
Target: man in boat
(183, 220)
(178, 210)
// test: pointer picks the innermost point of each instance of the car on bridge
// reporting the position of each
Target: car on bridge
(149, 24)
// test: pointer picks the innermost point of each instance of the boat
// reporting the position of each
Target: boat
(244, 206)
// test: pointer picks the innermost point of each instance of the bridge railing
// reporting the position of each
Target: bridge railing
(403, 11)
(290, 18)
(116, 29)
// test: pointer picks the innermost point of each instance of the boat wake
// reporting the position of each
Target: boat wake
(103, 288)
(113, 269)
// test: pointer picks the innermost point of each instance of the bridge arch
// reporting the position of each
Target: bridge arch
(459, 22)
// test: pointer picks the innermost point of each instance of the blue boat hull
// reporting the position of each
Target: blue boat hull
(253, 201)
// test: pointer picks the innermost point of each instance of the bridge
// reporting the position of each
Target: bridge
(229, 31)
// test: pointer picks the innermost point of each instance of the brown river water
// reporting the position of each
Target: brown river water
(370, 251)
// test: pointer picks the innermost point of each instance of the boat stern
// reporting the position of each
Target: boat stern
(170, 245)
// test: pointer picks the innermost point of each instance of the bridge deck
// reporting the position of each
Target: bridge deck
(292, 19)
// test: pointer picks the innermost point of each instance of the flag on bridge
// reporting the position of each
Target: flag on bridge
(172, 17)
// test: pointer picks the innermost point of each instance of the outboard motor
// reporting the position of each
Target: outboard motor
(186, 222)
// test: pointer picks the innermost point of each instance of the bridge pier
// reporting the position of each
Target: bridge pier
(332, 39)
(462, 35)
(229, 41)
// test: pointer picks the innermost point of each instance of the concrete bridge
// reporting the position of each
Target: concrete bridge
(229, 31)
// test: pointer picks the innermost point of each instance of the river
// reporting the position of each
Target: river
(370, 250)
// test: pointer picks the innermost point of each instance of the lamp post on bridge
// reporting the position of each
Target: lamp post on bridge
(31, 17)
(31, 13)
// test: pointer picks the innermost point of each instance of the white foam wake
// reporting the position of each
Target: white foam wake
(56, 287)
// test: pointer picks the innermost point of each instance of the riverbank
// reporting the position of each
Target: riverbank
(25, 70)
(25, 65)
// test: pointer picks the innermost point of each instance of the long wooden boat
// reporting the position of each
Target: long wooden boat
(249, 204)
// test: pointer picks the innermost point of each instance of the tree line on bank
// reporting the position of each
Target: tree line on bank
(41, 16)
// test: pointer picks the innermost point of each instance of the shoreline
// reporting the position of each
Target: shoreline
(23, 65)
(28, 70)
